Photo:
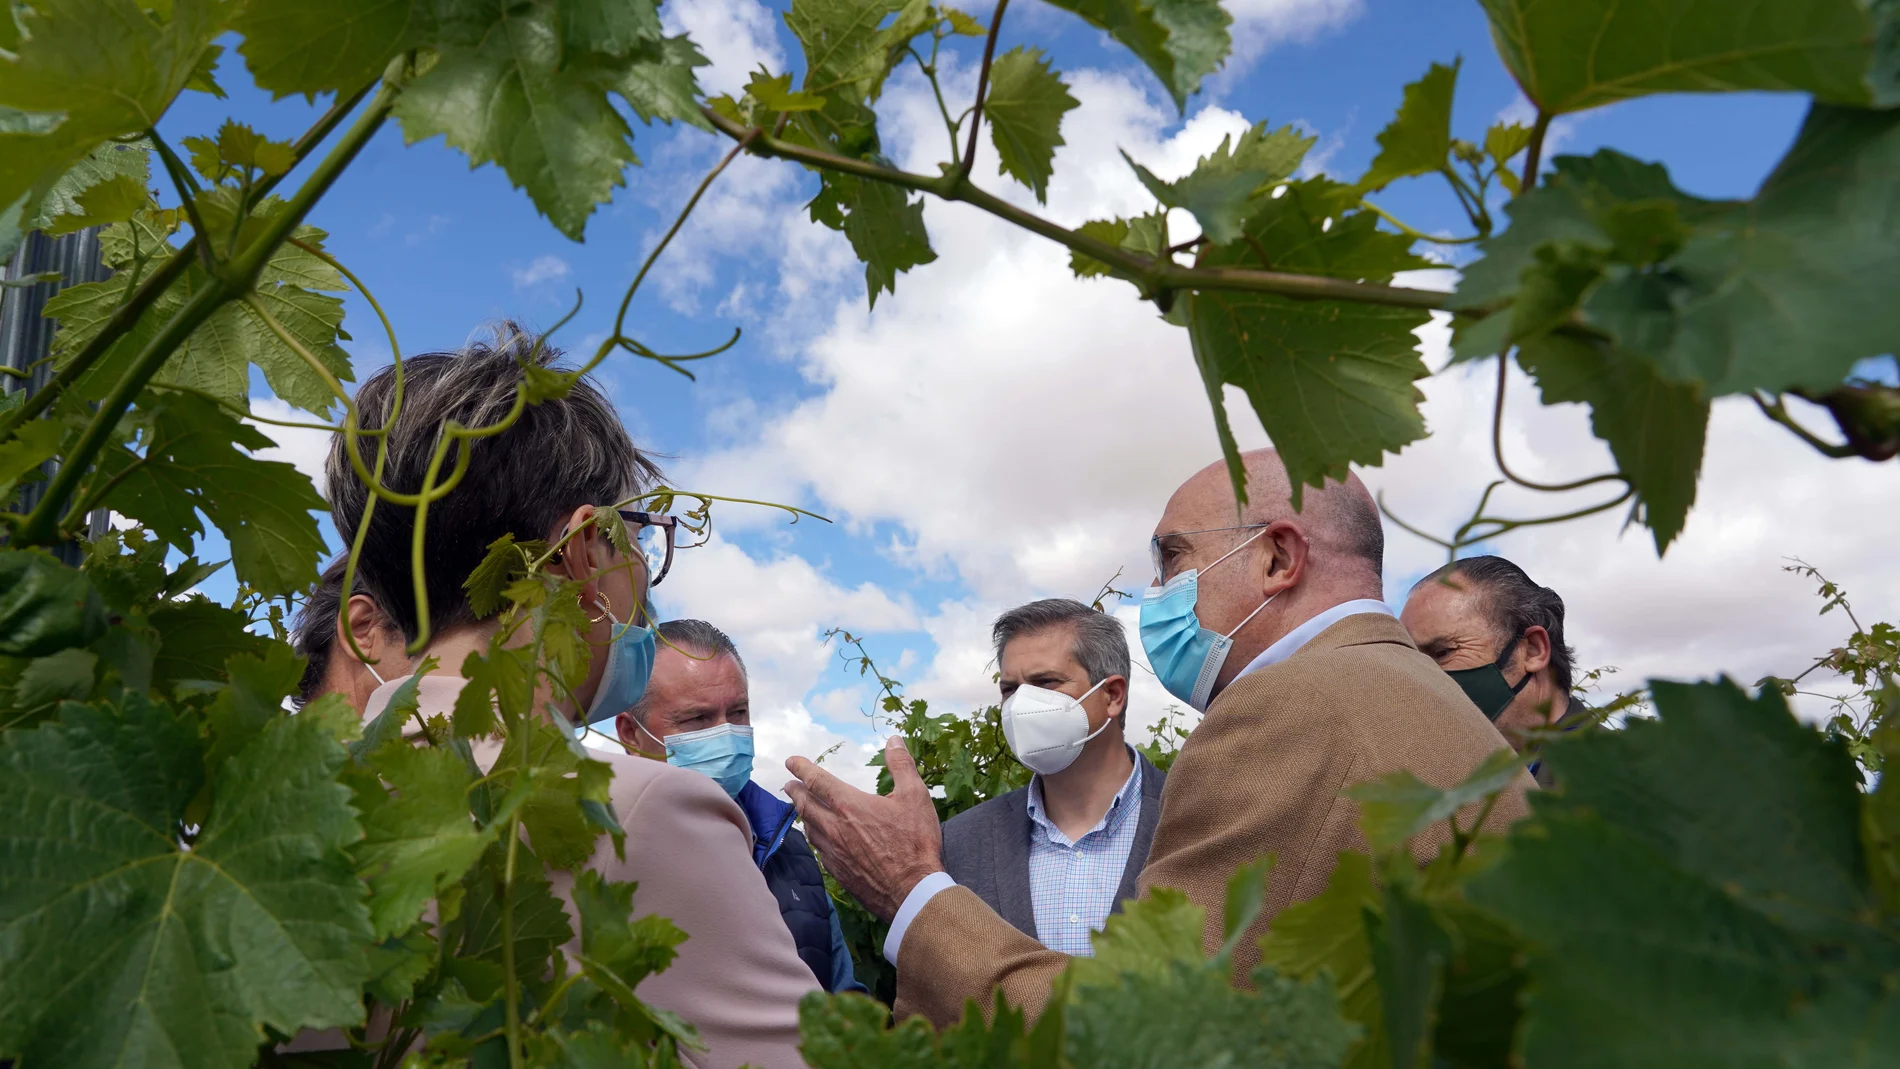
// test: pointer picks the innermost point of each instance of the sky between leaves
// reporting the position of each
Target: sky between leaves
(998, 430)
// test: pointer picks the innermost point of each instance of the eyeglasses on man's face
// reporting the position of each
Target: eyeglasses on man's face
(652, 533)
(1165, 550)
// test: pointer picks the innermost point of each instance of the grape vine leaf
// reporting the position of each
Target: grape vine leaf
(660, 84)
(238, 148)
(1655, 428)
(845, 43)
(1147, 234)
(185, 953)
(101, 165)
(417, 837)
(540, 921)
(1025, 107)
(193, 461)
(885, 227)
(1397, 806)
(504, 90)
(1332, 381)
(1587, 53)
(1794, 287)
(1328, 932)
(21, 456)
(113, 200)
(1226, 186)
(1733, 912)
(198, 637)
(108, 68)
(45, 606)
(1181, 41)
(1149, 999)
(1418, 138)
(314, 48)
(253, 696)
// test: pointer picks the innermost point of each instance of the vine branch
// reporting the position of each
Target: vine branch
(982, 87)
(1777, 410)
(1154, 275)
(1497, 444)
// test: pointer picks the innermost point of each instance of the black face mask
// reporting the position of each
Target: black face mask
(1486, 687)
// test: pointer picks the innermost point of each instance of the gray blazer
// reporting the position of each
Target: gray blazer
(986, 848)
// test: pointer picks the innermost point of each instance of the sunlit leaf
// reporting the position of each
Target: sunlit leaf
(1025, 106)
(1418, 138)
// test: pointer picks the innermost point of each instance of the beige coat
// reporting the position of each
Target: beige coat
(738, 977)
(1261, 774)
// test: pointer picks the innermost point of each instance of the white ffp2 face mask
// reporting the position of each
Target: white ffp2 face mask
(1047, 729)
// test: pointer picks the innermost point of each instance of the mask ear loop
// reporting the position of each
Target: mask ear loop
(1262, 605)
(1105, 720)
(378, 676)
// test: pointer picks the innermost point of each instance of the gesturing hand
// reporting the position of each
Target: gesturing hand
(877, 846)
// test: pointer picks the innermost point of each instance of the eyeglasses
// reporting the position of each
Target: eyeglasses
(1154, 543)
(653, 533)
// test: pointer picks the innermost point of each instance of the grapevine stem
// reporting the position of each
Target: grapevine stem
(1533, 152)
(1410, 232)
(1497, 444)
(188, 193)
(1153, 274)
(1777, 410)
(156, 284)
(241, 275)
(982, 87)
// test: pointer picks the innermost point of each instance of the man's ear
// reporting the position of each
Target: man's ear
(1115, 690)
(576, 559)
(368, 626)
(1282, 558)
(1536, 647)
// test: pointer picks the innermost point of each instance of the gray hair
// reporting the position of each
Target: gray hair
(695, 638)
(1101, 646)
(560, 454)
(1514, 604)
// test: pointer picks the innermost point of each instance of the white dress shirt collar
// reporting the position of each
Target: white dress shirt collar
(1291, 642)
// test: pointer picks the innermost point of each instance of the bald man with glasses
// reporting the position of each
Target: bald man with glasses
(1268, 619)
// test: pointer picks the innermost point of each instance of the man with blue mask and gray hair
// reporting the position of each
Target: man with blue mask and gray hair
(1055, 858)
(1267, 617)
(697, 714)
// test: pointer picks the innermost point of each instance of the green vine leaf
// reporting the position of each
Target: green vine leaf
(1181, 41)
(1327, 932)
(185, 953)
(1738, 917)
(1655, 428)
(1229, 184)
(1025, 107)
(102, 165)
(885, 227)
(316, 48)
(1418, 138)
(114, 200)
(1146, 234)
(1587, 53)
(662, 85)
(45, 606)
(507, 89)
(1398, 806)
(198, 637)
(1331, 381)
(417, 838)
(192, 462)
(107, 67)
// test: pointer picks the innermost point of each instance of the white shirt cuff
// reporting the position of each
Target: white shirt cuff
(914, 903)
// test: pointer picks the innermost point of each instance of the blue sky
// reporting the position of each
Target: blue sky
(996, 431)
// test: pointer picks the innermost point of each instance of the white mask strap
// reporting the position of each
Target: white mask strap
(1234, 550)
(372, 671)
(1251, 615)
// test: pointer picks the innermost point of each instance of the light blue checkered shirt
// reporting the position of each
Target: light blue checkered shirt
(1072, 885)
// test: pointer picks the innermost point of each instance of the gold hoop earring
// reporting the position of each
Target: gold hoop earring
(605, 606)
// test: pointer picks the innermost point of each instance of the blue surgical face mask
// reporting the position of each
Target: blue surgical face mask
(629, 666)
(723, 751)
(1186, 657)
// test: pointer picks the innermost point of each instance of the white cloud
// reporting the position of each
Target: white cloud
(304, 447)
(1003, 424)
(1261, 25)
(736, 35)
(547, 268)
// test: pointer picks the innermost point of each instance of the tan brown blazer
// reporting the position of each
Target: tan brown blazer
(1261, 774)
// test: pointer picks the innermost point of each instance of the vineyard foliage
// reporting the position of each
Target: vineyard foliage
(190, 877)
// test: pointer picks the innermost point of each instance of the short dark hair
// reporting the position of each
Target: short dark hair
(1515, 604)
(1101, 646)
(314, 634)
(560, 454)
(695, 637)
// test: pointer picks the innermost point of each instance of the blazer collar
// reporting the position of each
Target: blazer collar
(1320, 624)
